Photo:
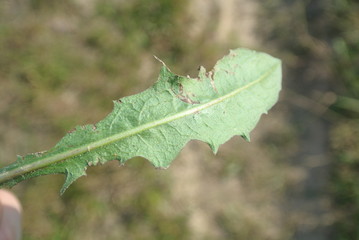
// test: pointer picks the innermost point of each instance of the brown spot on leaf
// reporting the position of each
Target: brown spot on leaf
(184, 97)
(210, 76)
(187, 99)
(72, 130)
(38, 154)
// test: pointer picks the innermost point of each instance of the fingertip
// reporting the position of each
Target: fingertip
(10, 216)
(9, 199)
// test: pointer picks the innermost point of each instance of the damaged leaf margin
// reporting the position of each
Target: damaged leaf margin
(158, 122)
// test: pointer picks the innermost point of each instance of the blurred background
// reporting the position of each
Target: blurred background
(63, 62)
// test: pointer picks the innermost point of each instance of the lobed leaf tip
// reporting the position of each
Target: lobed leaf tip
(72, 176)
(201, 71)
(246, 137)
(214, 147)
(65, 186)
(117, 101)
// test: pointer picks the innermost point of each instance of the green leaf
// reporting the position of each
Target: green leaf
(157, 123)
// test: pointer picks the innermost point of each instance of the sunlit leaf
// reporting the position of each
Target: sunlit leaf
(157, 123)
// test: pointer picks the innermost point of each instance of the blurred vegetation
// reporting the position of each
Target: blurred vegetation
(345, 44)
(326, 38)
(345, 144)
(344, 136)
(61, 64)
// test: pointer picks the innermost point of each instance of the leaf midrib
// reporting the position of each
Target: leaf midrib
(19, 170)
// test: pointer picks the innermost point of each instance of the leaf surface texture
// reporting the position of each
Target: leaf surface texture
(157, 123)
